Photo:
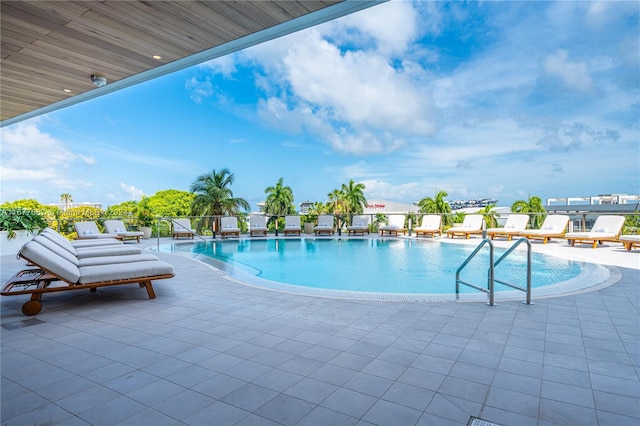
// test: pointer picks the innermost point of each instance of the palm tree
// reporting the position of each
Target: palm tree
(214, 197)
(533, 206)
(67, 199)
(353, 194)
(337, 203)
(279, 200)
(436, 205)
(490, 216)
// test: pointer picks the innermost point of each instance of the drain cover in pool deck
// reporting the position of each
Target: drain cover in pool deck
(474, 421)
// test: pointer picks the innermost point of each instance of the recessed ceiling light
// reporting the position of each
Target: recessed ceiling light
(66, 90)
(157, 57)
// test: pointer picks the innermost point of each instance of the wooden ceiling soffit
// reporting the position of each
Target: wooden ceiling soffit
(49, 46)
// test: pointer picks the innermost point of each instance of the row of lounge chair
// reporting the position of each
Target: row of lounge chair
(605, 228)
(57, 264)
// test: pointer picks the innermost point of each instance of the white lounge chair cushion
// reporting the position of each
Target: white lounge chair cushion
(111, 260)
(123, 271)
(51, 261)
(82, 253)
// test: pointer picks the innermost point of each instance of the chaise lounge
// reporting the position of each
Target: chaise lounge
(325, 225)
(292, 225)
(395, 224)
(59, 271)
(630, 241)
(359, 224)
(229, 227)
(431, 225)
(605, 228)
(117, 227)
(515, 224)
(181, 228)
(554, 226)
(257, 225)
(472, 224)
(89, 230)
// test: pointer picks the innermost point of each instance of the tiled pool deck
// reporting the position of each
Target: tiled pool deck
(211, 351)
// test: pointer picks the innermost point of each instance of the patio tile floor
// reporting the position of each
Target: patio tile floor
(211, 351)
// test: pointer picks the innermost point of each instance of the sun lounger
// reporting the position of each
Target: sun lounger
(554, 226)
(325, 225)
(229, 227)
(630, 241)
(117, 227)
(99, 242)
(359, 225)
(292, 225)
(181, 228)
(472, 224)
(395, 224)
(89, 230)
(515, 224)
(58, 271)
(56, 244)
(431, 225)
(605, 228)
(257, 225)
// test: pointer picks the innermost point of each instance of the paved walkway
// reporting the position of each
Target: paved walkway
(211, 351)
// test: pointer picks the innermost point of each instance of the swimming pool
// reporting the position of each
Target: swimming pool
(374, 266)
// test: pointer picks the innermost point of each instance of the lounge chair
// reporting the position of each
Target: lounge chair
(325, 225)
(58, 271)
(359, 224)
(229, 227)
(515, 224)
(89, 251)
(395, 224)
(471, 225)
(89, 230)
(181, 228)
(292, 225)
(117, 227)
(257, 225)
(605, 228)
(630, 241)
(431, 225)
(99, 242)
(554, 226)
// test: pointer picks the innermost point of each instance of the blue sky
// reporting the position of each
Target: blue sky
(481, 99)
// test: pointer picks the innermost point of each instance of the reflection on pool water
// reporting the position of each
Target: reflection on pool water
(372, 265)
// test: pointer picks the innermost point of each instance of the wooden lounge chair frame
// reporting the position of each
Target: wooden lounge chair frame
(629, 244)
(38, 281)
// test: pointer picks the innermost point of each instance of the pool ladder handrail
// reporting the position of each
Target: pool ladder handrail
(491, 272)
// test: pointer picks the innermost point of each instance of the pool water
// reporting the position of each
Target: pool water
(373, 265)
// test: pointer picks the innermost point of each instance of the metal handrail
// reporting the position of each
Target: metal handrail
(509, 251)
(490, 283)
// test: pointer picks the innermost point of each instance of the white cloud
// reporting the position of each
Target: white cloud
(32, 155)
(573, 75)
(392, 25)
(135, 193)
(376, 189)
